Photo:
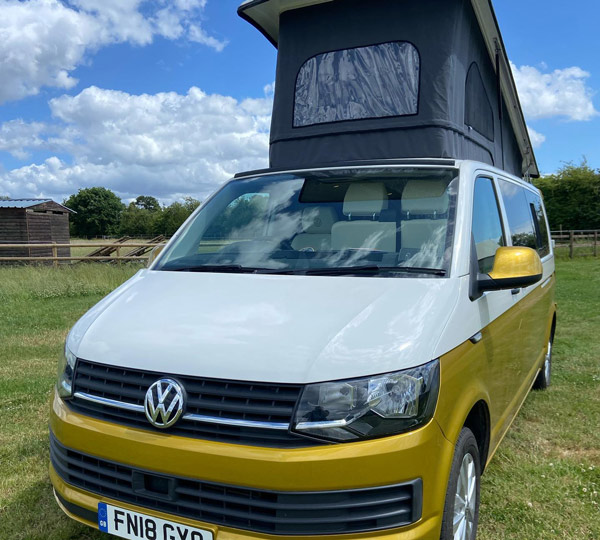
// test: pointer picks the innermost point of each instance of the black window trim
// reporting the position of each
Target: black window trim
(294, 127)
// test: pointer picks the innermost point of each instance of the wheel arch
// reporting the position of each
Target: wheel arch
(478, 421)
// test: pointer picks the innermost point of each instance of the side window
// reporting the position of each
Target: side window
(478, 111)
(518, 213)
(539, 222)
(487, 225)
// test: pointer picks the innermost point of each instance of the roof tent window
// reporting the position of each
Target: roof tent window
(353, 84)
(478, 111)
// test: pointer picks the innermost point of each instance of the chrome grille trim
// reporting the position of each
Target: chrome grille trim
(109, 402)
(233, 422)
(190, 417)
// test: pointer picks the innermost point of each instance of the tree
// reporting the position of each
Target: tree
(146, 202)
(173, 216)
(572, 197)
(136, 221)
(98, 212)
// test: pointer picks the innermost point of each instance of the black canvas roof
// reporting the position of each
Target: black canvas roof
(455, 96)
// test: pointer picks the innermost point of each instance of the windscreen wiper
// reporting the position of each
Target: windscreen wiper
(335, 271)
(342, 270)
(227, 269)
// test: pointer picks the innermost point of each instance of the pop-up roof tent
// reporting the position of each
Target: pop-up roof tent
(391, 79)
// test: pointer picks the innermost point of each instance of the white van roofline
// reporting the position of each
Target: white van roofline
(466, 166)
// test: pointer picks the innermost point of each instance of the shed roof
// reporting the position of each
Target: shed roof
(29, 203)
(265, 16)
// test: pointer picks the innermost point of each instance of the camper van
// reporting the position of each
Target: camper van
(334, 346)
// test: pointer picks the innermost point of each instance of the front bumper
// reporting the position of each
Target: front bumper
(423, 454)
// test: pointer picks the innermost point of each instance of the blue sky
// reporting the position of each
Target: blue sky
(171, 97)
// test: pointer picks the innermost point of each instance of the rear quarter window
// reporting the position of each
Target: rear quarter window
(539, 221)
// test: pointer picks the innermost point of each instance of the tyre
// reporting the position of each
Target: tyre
(461, 510)
(544, 376)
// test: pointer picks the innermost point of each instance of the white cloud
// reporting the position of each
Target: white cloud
(43, 41)
(16, 136)
(165, 144)
(560, 93)
(537, 139)
(197, 34)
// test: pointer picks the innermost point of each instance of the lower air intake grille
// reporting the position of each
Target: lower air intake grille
(271, 512)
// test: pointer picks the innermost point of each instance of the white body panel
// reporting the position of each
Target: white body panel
(294, 329)
(287, 329)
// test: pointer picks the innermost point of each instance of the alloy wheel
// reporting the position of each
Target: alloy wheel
(547, 362)
(465, 500)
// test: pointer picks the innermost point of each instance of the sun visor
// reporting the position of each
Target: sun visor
(389, 79)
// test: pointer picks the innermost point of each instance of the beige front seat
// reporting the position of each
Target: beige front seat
(317, 222)
(425, 213)
(363, 205)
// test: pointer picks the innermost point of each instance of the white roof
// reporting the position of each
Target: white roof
(264, 15)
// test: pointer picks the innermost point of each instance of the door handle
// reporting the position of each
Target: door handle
(516, 291)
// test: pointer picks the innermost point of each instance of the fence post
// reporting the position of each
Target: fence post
(119, 256)
(595, 243)
(55, 255)
(571, 244)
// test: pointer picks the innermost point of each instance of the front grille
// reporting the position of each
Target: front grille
(227, 400)
(271, 512)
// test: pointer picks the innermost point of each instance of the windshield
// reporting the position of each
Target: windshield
(383, 222)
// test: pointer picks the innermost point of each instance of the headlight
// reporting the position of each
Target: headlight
(66, 367)
(371, 407)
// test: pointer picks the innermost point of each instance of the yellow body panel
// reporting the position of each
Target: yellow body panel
(424, 453)
(499, 369)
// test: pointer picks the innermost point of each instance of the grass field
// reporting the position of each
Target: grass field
(543, 483)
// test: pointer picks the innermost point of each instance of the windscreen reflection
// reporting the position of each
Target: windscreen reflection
(372, 222)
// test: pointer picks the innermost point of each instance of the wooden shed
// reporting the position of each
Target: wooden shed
(34, 221)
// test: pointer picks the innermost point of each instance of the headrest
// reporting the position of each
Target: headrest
(365, 199)
(425, 197)
(318, 219)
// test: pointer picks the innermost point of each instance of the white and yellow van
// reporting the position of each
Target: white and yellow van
(335, 351)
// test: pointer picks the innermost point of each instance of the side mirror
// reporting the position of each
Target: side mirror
(514, 267)
(154, 254)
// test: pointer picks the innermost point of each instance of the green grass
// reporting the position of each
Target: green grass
(543, 483)
(38, 305)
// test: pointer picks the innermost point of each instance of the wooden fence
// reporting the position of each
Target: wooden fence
(111, 253)
(577, 241)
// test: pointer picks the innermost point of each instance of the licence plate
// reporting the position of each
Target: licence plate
(136, 526)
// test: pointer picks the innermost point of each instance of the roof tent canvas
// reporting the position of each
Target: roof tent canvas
(389, 79)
